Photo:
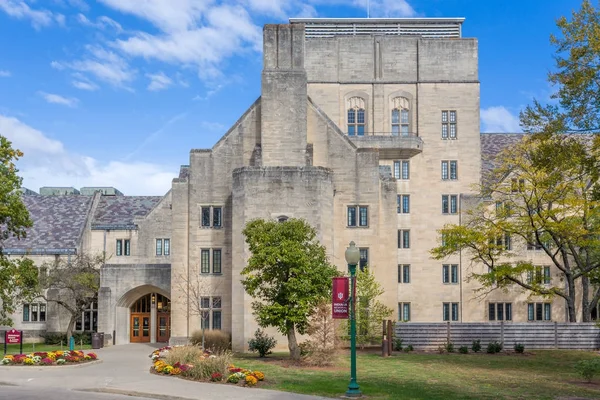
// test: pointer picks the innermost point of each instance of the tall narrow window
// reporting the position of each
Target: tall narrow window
(453, 170)
(547, 278)
(445, 204)
(403, 273)
(205, 216)
(364, 258)
(167, 244)
(127, 247)
(404, 239)
(453, 204)
(352, 216)
(404, 312)
(216, 261)
(216, 320)
(119, 249)
(356, 116)
(42, 312)
(363, 213)
(449, 170)
(400, 117)
(402, 169)
(454, 273)
(449, 120)
(444, 170)
(34, 312)
(217, 217)
(445, 273)
(159, 247)
(454, 311)
(403, 204)
(25, 312)
(446, 311)
(205, 261)
(405, 169)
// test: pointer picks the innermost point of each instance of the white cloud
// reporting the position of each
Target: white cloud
(4, 73)
(102, 22)
(57, 99)
(499, 119)
(85, 85)
(378, 8)
(39, 18)
(159, 81)
(47, 162)
(103, 64)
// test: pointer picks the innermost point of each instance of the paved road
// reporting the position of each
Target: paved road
(125, 370)
(26, 393)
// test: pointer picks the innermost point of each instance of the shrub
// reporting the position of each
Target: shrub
(409, 347)
(262, 343)
(214, 340)
(54, 338)
(449, 347)
(441, 349)
(204, 370)
(184, 355)
(398, 344)
(588, 369)
(320, 349)
(476, 346)
(494, 347)
(519, 348)
(463, 350)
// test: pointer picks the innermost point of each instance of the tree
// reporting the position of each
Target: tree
(370, 312)
(543, 194)
(321, 346)
(18, 277)
(288, 274)
(194, 290)
(75, 282)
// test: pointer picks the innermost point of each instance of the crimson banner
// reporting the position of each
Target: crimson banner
(13, 337)
(340, 294)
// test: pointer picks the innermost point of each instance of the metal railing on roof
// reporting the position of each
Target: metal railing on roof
(378, 135)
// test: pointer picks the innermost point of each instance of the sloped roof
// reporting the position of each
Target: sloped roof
(119, 212)
(491, 145)
(58, 224)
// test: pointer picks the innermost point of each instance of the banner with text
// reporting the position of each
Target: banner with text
(340, 293)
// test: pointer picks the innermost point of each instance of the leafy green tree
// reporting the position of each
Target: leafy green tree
(72, 283)
(288, 275)
(18, 277)
(370, 312)
(542, 195)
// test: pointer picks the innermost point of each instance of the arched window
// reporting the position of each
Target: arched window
(400, 117)
(356, 116)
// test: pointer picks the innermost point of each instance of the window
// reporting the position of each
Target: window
(364, 258)
(449, 204)
(400, 117)
(205, 261)
(539, 312)
(449, 170)
(88, 321)
(127, 247)
(404, 312)
(123, 247)
(503, 241)
(217, 213)
(363, 216)
(211, 307)
(450, 273)
(402, 169)
(217, 217)
(403, 204)
(539, 275)
(450, 311)
(119, 249)
(547, 277)
(500, 311)
(404, 239)
(449, 124)
(517, 185)
(356, 116)
(167, 244)
(159, 247)
(216, 261)
(403, 273)
(533, 243)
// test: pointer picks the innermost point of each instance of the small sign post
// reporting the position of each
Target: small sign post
(13, 337)
(340, 300)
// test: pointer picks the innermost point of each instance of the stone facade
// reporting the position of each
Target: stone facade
(361, 135)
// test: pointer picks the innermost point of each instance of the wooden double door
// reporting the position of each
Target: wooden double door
(141, 327)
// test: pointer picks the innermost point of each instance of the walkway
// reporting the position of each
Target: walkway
(125, 370)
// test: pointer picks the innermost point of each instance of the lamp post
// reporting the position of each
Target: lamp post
(352, 258)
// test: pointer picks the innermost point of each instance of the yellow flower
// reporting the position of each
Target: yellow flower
(9, 357)
(251, 380)
(176, 371)
(259, 375)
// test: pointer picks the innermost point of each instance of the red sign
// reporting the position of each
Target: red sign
(13, 336)
(340, 296)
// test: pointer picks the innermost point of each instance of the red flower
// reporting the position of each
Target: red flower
(234, 370)
(93, 356)
(47, 361)
(216, 377)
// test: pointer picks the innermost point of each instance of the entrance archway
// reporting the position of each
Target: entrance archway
(150, 319)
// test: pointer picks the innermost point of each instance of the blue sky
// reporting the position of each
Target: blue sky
(116, 92)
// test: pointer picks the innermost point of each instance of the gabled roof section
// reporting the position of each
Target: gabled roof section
(493, 144)
(119, 212)
(58, 224)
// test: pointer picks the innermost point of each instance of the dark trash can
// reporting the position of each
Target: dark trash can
(96, 344)
(101, 339)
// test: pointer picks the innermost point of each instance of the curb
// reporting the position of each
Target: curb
(134, 394)
(50, 367)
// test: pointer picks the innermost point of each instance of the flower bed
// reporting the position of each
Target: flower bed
(192, 363)
(49, 358)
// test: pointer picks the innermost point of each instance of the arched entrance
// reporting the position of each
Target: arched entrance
(150, 319)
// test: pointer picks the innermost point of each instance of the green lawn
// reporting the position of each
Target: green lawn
(536, 375)
(33, 347)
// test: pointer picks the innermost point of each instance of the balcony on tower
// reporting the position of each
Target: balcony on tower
(391, 145)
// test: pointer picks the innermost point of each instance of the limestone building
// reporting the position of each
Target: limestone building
(368, 129)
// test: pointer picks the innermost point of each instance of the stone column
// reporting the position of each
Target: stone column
(153, 319)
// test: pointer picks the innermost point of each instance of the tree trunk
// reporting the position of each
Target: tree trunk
(586, 312)
(571, 298)
(70, 328)
(293, 343)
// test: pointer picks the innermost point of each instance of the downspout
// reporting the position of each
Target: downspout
(460, 262)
